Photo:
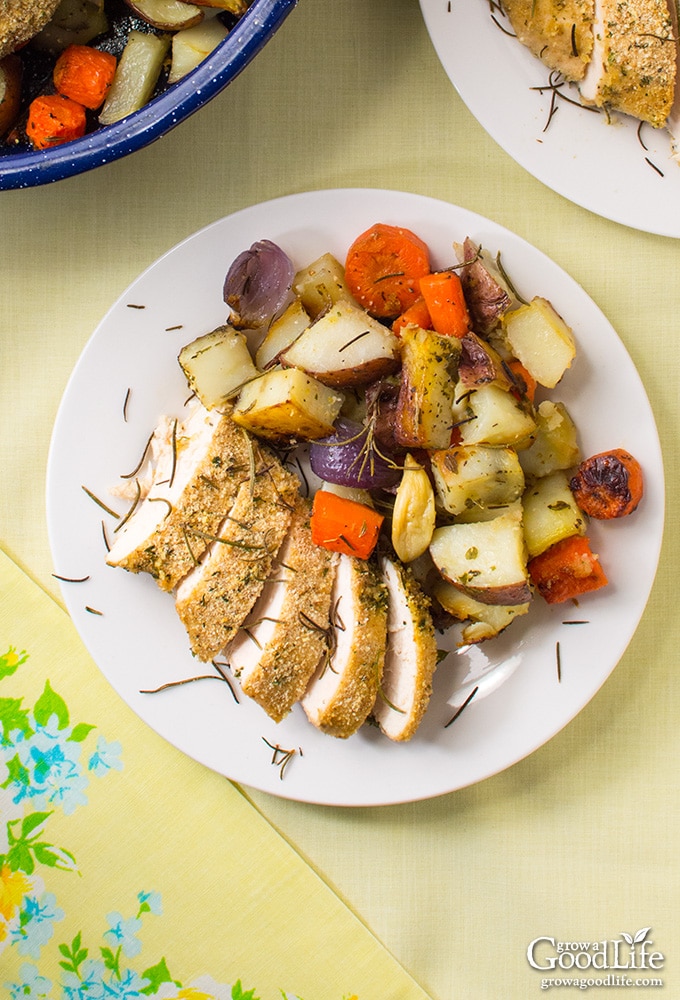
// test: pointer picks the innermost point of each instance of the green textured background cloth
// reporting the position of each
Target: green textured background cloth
(579, 841)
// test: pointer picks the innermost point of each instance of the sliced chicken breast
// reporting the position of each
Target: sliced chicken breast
(214, 599)
(560, 34)
(411, 656)
(345, 685)
(198, 465)
(673, 122)
(633, 64)
(20, 20)
(287, 632)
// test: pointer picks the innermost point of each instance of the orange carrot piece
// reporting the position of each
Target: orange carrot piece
(445, 301)
(525, 383)
(382, 269)
(53, 119)
(608, 485)
(344, 525)
(566, 570)
(417, 314)
(84, 74)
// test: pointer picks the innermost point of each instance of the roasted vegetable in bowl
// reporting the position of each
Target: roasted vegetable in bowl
(93, 62)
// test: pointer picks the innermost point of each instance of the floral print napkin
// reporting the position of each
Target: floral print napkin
(128, 870)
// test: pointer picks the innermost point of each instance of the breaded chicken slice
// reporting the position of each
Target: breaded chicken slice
(411, 656)
(633, 65)
(560, 34)
(345, 685)
(281, 642)
(214, 599)
(198, 466)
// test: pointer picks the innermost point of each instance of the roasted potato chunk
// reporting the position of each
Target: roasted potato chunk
(286, 403)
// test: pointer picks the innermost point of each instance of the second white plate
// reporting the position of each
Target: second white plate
(128, 376)
(599, 164)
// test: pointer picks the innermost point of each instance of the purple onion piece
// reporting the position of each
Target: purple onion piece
(258, 284)
(347, 458)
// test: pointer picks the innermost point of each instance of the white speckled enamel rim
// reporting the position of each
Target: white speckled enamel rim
(603, 166)
(137, 641)
(182, 99)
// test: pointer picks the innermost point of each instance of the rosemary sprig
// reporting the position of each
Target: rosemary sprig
(280, 757)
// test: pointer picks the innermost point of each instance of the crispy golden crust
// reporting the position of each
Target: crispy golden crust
(20, 20)
(171, 551)
(357, 689)
(402, 701)
(300, 638)
(638, 58)
(214, 600)
(559, 32)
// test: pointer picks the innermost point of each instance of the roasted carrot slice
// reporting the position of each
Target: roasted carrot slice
(417, 314)
(383, 268)
(566, 570)
(53, 119)
(608, 485)
(445, 301)
(525, 384)
(84, 74)
(344, 525)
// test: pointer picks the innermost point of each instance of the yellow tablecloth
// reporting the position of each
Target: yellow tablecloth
(576, 843)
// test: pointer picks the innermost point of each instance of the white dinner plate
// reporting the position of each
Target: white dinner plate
(599, 163)
(128, 376)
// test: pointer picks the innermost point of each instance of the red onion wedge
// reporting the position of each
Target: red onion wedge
(258, 284)
(352, 457)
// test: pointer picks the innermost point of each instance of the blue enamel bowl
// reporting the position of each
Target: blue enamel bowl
(23, 168)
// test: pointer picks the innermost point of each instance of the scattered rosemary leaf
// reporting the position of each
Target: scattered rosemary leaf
(462, 707)
(93, 611)
(354, 339)
(107, 544)
(654, 167)
(132, 508)
(162, 500)
(100, 503)
(576, 621)
(134, 305)
(174, 452)
(125, 404)
(218, 666)
(140, 463)
(177, 326)
(70, 579)
(185, 680)
(558, 660)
